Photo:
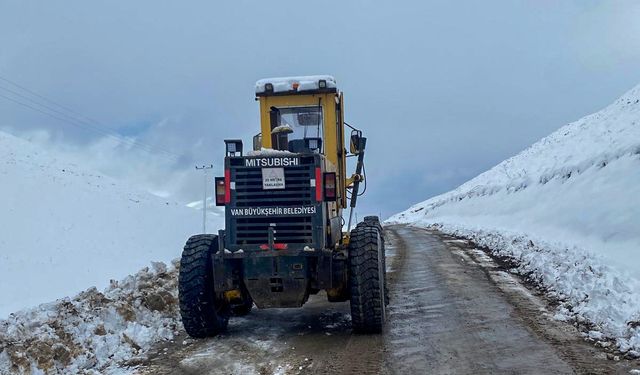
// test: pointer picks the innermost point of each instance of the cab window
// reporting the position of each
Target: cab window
(293, 128)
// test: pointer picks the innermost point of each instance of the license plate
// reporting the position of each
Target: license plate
(272, 178)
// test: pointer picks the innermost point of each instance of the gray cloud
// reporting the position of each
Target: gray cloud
(443, 89)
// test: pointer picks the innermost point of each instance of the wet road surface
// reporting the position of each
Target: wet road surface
(453, 311)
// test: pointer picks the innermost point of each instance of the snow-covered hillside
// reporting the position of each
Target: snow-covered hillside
(567, 209)
(63, 228)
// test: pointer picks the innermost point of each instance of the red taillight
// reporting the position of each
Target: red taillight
(276, 246)
(220, 191)
(318, 185)
(280, 246)
(330, 186)
(227, 186)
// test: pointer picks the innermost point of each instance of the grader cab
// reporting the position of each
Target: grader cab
(284, 201)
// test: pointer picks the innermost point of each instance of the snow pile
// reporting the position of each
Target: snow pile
(269, 152)
(93, 331)
(305, 83)
(63, 228)
(567, 210)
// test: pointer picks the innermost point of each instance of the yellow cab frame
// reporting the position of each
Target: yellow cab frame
(332, 102)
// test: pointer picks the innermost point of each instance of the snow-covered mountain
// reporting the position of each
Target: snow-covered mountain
(64, 228)
(568, 210)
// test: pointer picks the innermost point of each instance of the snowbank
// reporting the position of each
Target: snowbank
(94, 331)
(568, 210)
(63, 228)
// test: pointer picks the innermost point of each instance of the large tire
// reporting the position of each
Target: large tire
(366, 280)
(204, 314)
(374, 221)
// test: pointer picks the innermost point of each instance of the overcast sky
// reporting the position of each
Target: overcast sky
(443, 89)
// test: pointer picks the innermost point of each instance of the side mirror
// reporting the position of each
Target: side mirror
(355, 144)
(257, 142)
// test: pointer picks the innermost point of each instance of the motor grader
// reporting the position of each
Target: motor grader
(284, 217)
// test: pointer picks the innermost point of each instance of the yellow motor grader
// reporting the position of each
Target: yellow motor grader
(284, 204)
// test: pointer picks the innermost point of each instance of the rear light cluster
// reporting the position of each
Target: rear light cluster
(220, 188)
(325, 191)
(330, 192)
(223, 189)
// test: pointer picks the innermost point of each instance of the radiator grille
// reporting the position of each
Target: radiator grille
(254, 231)
(248, 192)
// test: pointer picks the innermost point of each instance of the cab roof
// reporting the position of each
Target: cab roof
(296, 85)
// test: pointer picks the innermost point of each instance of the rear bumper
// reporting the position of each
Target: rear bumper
(281, 278)
(242, 254)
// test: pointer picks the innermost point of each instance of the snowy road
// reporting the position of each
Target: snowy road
(453, 311)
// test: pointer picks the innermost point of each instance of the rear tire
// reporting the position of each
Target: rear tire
(366, 280)
(374, 221)
(203, 312)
